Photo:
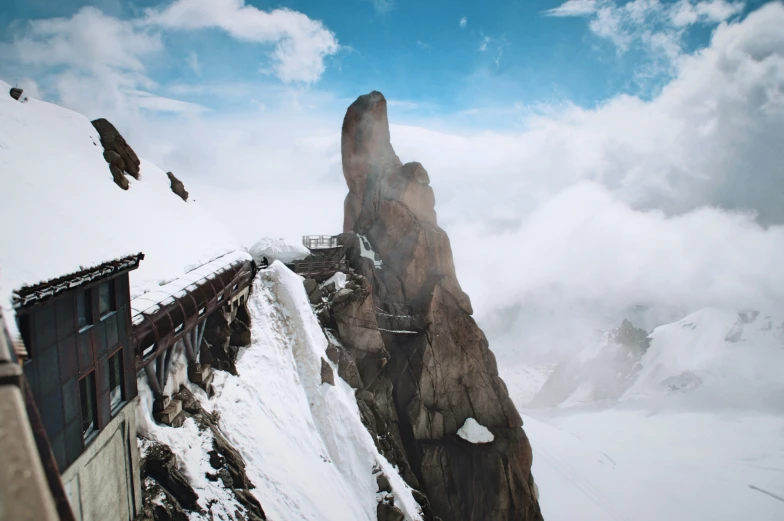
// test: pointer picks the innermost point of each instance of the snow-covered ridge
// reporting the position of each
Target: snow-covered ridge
(61, 211)
(303, 442)
(734, 357)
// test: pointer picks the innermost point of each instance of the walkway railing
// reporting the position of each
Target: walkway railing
(317, 242)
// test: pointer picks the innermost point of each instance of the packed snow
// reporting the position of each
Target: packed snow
(61, 211)
(278, 249)
(305, 447)
(474, 432)
(367, 251)
(338, 279)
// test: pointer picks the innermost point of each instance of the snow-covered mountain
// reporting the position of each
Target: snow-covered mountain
(727, 358)
(686, 424)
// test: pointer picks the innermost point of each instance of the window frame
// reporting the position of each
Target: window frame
(89, 434)
(112, 299)
(86, 304)
(115, 407)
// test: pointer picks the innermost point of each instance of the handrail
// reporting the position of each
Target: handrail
(314, 242)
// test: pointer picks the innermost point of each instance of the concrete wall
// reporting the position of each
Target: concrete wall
(103, 483)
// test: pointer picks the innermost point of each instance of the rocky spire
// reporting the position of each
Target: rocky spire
(441, 371)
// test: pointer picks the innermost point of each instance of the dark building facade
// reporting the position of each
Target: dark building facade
(80, 361)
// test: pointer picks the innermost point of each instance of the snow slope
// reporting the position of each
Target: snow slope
(304, 444)
(632, 465)
(61, 211)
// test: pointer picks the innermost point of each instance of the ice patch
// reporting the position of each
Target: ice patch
(474, 432)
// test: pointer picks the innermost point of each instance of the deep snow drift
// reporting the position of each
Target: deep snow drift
(304, 444)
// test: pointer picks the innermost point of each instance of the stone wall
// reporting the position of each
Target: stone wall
(103, 483)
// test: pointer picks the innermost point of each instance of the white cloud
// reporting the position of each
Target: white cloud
(573, 8)
(90, 60)
(484, 43)
(655, 27)
(463, 22)
(301, 43)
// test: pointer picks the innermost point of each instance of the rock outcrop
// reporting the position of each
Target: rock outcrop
(117, 152)
(177, 187)
(424, 364)
(167, 495)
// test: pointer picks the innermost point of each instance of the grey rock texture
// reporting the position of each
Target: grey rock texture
(417, 349)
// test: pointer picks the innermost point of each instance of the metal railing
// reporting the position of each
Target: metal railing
(316, 242)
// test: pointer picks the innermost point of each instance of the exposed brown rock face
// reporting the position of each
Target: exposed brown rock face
(440, 370)
(177, 187)
(117, 152)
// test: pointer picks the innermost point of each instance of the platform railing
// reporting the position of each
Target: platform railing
(316, 242)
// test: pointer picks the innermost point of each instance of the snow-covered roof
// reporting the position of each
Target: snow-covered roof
(61, 211)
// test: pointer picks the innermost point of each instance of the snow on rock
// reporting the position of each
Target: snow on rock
(278, 249)
(53, 169)
(304, 445)
(338, 279)
(367, 251)
(474, 432)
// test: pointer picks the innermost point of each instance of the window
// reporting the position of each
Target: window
(84, 309)
(87, 400)
(115, 379)
(106, 298)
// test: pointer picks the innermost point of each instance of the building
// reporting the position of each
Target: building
(79, 361)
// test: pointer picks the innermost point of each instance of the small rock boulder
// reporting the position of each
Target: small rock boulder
(383, 483)
(327, 376)
(177, 187)
(389, 512)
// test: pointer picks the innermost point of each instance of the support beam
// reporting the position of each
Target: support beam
(188, 342)
(153, 380)
(167, 364)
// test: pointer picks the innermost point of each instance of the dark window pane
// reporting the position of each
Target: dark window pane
(106, 297)
(52, 413)
(71, 400)
(69, 363)
(84, 310)
(115, 379)
(48, 370)
(45, 328)
(64, 310)
(87, 401)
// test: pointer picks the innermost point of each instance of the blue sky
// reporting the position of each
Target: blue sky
(481, 63)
